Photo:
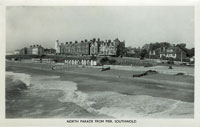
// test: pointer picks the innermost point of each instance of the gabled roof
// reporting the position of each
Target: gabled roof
(183, 49)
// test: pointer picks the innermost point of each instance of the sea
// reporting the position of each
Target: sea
(43, 96)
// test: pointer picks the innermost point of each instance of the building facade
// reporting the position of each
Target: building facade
(173, 52)
(49, 51)
(93, 47)
(32, 50)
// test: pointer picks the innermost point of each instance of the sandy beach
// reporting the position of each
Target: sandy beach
(95, 94)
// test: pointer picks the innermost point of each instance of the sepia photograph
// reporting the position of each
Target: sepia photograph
(100, 62)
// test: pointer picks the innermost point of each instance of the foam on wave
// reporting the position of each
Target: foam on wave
(127, 106)
(25, 78)
(115, 104)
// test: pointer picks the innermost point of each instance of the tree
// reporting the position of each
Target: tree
(104, 60)
(182, 45)
(143, 53)
(191, 52)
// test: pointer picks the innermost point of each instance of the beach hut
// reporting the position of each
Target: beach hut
(94, 63)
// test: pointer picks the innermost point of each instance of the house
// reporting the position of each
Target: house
(49, 51)
(94, 47)
(107, 48)
(32, 50)
(155, 54)
(174, 52)
(24, 51)
(37, 50)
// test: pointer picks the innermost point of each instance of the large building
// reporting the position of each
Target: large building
(32, 50)
(78, 49)
(93, 47)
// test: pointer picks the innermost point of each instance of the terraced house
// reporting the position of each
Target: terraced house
(93, 47)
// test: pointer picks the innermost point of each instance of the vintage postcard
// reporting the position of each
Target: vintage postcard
(99, 65)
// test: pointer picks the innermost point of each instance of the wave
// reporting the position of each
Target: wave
(25, 78)
(110, 103)
(128, 106)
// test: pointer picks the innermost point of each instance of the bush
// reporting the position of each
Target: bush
(105, 60)
(112, 61)
(93, 58)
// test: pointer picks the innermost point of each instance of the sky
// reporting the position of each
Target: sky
(137, 25)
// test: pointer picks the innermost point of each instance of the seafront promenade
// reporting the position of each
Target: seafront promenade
(186, 70)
